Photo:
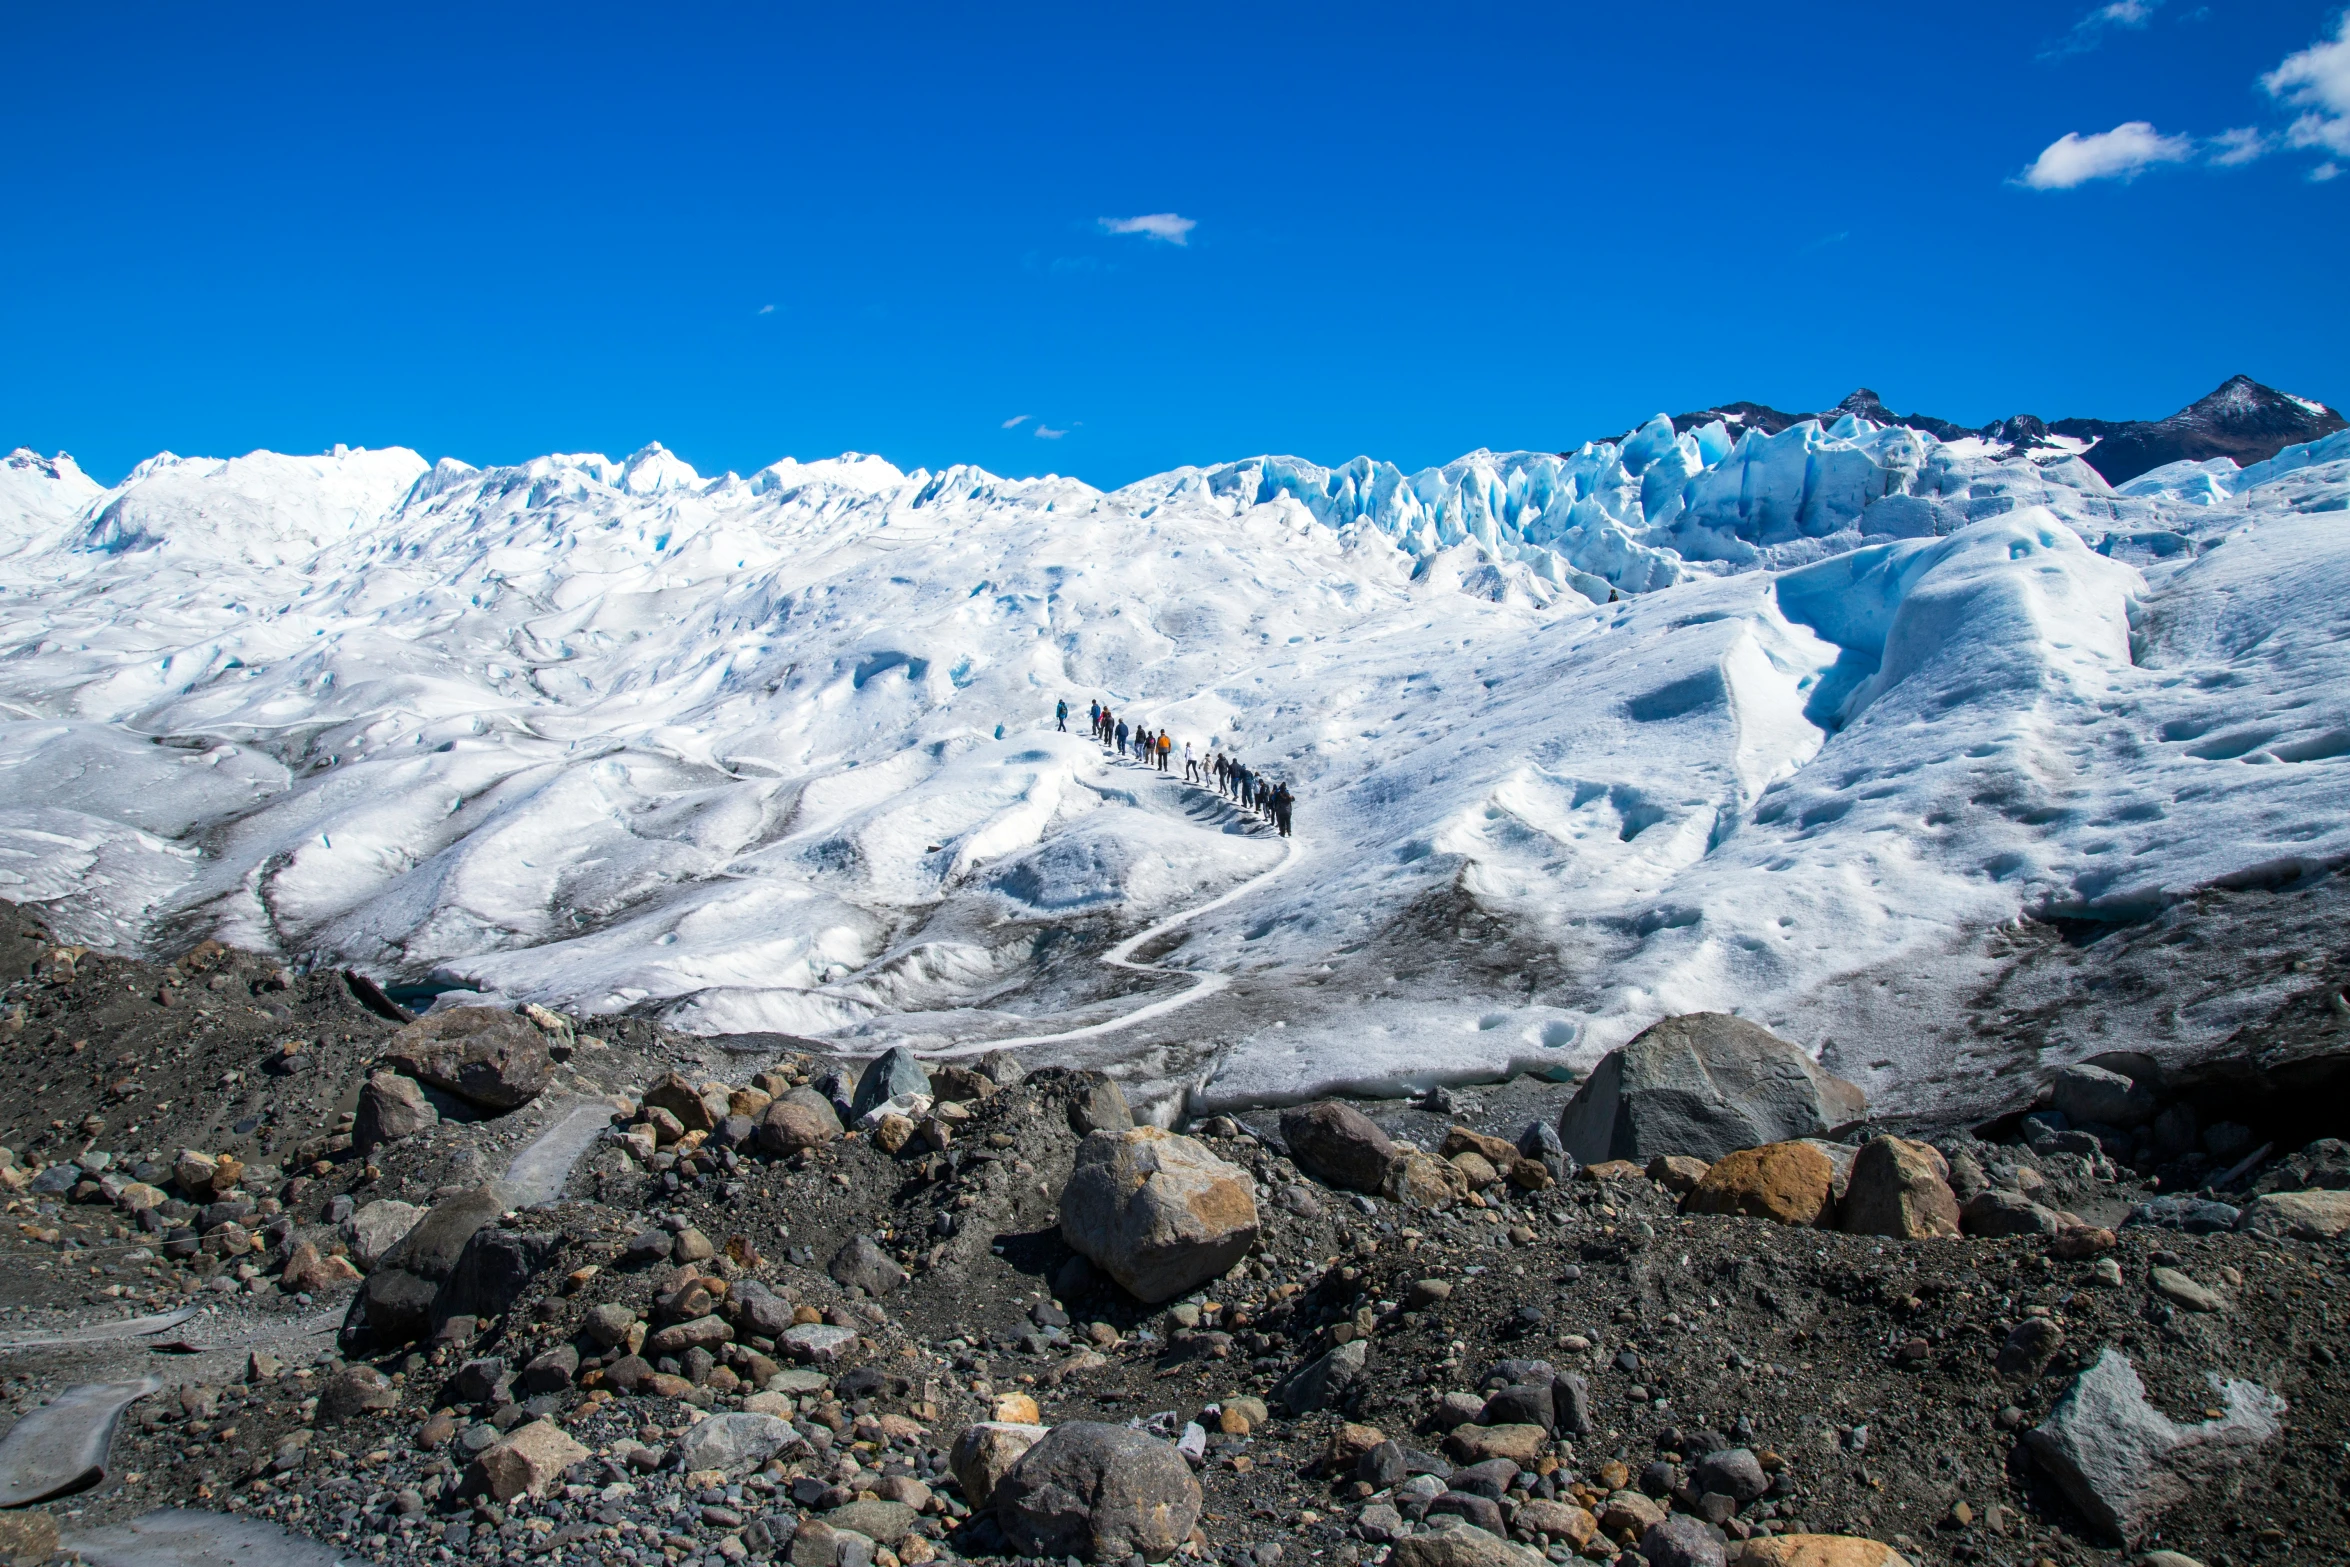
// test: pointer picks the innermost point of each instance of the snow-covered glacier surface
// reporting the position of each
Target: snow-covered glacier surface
(1690, 721)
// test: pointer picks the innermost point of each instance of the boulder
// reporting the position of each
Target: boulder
(1337, 1145)
(527, 1461)
(479, 1381)
(374, 1230)
(2029, 1346)
(1562, 1521)
(1097, 1104)
(493, 1272)
(960, 1085)
(1733, 1471)
(986, 1452)
(1705, 1085)
(860, 1264)
(881, 1521)
(401, 1293)
(1157, 1212)
(390, 1107)
(608, 1324)
(893, 1074)
(2093, 1096)
(697, 1109)
(736, 1443)
(1098, 1492)
(1994, 1212)
(484, 1056)
(1899, 1188)
(1789, 1182)
(1460, 1547)
(705, 1333)
(798, 1121)
(1325, 1381)
(2122, 1462)
(551, 1371)
(309, 1273)
(819, 1343)
(1814, 1550)
(1520, 1404)
(2301, 1216)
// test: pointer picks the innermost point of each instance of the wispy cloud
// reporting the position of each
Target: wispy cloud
(1016, 421)
(2325, 171)
(2316, 80)
(1045, 432)
(2230, 149)
(1825, 240)
(2124, 152)
(2090, 30)
(1167, 227)
(766, 310)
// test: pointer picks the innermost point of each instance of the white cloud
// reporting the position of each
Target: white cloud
(2324, 171)
(1045, 432)
(766, 310)
(2230, 148)
(2090, 30)
(2121, 153)
(1015, 421)
(1165, 226)
(2317, 80)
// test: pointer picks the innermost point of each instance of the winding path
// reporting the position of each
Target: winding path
(1120, 956)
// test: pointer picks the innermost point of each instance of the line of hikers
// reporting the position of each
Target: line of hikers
(1219, 770)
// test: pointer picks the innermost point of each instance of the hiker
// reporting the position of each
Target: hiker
(1121, 737)
(1190, 764)
(1165, 746)
(1094, 717)
(1061, 715)
(1282, 801)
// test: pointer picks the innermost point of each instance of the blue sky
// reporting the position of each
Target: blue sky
(495, 231)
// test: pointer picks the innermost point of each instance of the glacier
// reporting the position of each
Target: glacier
(1783, 724)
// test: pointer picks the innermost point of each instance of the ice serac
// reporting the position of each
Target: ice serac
(1739, 712)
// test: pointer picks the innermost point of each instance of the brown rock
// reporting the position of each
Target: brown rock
(527, 1461)
(2079, 1242)
(1610, 1170)
(1560, 1520)
(1531, 1175)
(1338, 1144)
(792, 1126)
(481, 1054)
(2301, 1216)
(697, 1109)
(1790, 1183)
(1520, 1444)
(390, 1107)
(1629, 1513)
(1016, 1409)
(27, 1537)
(1348, 1443)
(309, 1273)
(1423, 1181)
(1677, 1173)
(892, 1132)
(1469, 1547)
(749, 1102)
(1901, 1189)
(1475, 1168)
(1814, 1550)
(1499, 1152)
(960, 1084)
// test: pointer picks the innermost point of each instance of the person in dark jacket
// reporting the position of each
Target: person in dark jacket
(1121, 737)
(1061, 716)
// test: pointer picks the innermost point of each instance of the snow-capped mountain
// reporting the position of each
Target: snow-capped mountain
(2240, 420)
(1794, 722)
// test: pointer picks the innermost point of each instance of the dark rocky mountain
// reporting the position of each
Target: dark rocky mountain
(2242, 419)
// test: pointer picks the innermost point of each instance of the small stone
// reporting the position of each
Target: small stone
(862, 1265)
(734, 1443)
(1682, 1542)
(1325, 1381)
(1815, 1550)
(1677, 1173)
(608, 1324)
(1427, 1292)
(819, 1342)
(2029, 1347)
(796, 1123)
(2076, 1242)
(1521, 1444)
(692, 1245)
(1992, 1213)
(1733, 1471)
(353, 1391)
(893, 1132)
(1457, 1547)
(2184, 1292)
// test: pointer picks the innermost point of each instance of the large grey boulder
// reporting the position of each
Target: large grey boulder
(1100, 1493)
(374, 1230)
(1097, 1104)
(1338, 1145)
(1157, 1212)
(1683, 1541)
(1704, 1084)
(860, 1264)
(2091, 1095)
(482, 1055)
(2122, 1462)
(890, 1075)
(1323, 1382)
